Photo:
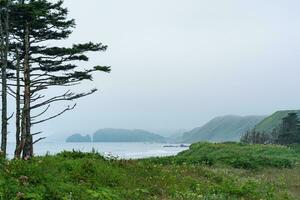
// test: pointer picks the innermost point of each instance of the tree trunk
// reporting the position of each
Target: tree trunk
(27, 150)
(2, 65)
(5, 49)
(18, 108)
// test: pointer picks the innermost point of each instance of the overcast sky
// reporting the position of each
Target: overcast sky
(178, 63)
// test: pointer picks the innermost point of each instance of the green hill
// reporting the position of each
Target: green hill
(79, 138)
(268, 124)
(220, 129)
(123, 135)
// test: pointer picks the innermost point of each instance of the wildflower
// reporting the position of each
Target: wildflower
(24, 180)
(20, 195)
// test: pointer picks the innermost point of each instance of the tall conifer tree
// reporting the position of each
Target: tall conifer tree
(4, 44)
(289, 131)
(37, 22)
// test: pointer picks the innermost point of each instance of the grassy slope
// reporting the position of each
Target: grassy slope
(184, 177)
(273, 121)
(227, 128)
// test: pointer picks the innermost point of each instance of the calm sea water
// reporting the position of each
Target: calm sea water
(122, 150)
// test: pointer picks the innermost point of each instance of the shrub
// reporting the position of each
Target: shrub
(236, 155)
(79, 155)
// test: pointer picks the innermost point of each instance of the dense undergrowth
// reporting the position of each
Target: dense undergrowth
(188, 176)
(237, 155)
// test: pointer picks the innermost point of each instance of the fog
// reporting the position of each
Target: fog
(177, 64)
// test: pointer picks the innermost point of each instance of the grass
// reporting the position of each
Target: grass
(236, 155)
(76, 175)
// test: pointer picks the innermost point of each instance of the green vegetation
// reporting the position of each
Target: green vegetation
(289, 130)
(236, 155)
(79, 138)
(34, 61)
(76, 175)
(220, 129)
(123, 135)
(255, 137)
(273, 121)
(285, 133)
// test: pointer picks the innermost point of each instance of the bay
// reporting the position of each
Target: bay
(122, 150)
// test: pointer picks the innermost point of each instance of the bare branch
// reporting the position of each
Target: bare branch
(38, 140)
(54, 116)
(38, 133)
(68, 96)
(11, 94)
(11, 116)
(41, 112)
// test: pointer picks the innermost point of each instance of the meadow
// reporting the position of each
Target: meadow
(204, 172)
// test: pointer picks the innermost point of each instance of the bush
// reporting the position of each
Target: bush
(79, 155)
(236, 155)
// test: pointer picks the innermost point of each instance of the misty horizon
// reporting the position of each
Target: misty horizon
(189, 62)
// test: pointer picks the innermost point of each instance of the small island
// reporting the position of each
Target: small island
(118, 135)
(79, 138)
(124, 135)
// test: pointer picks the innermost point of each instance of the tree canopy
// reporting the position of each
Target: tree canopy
(36, 62)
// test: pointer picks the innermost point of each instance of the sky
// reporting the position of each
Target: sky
(177, 64)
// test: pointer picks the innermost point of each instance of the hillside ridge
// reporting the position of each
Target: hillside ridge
(222, 128)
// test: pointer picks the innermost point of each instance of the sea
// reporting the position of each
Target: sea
(123, 150)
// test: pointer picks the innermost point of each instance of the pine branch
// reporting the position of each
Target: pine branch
(68, 96)
(54, 116)
(40, 114)
(38, 140)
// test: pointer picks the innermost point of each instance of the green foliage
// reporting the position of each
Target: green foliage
(289, 130)
(39, 15)
(79, 176)
(255, 137)
(236, 155)
(104, 194)
(273, 121)
(79, 155)
(274, 130)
